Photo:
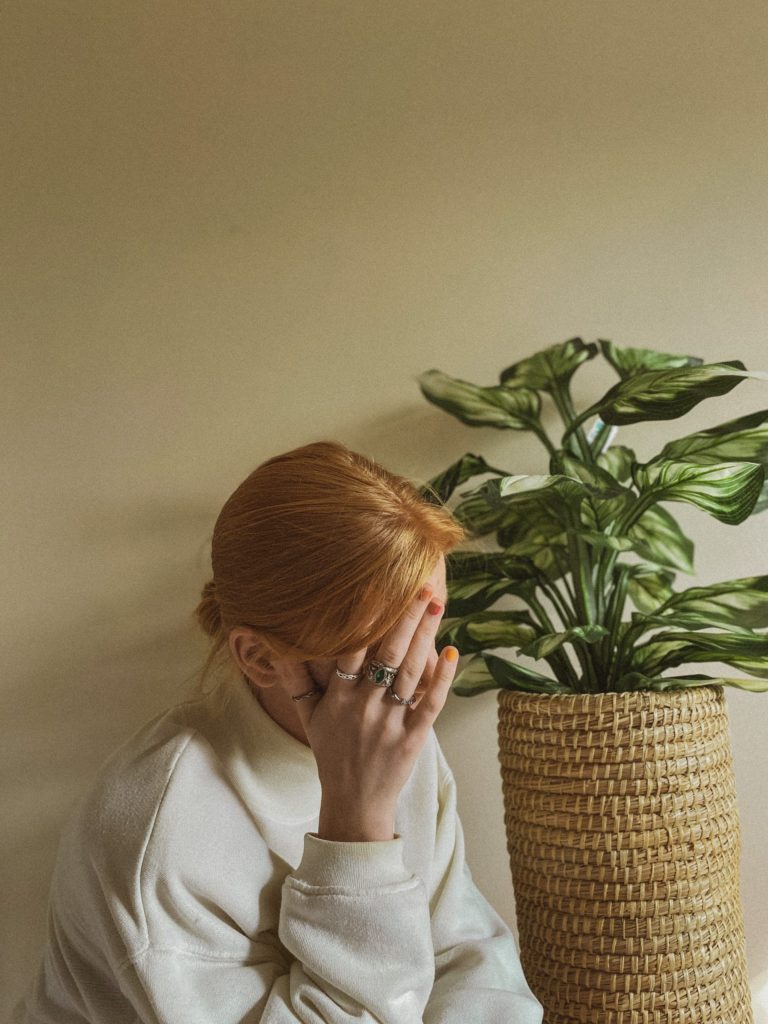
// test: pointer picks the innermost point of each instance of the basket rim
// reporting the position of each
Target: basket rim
(612, 698)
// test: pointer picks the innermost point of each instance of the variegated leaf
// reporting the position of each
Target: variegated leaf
(649, 588)
(598, 480)
(617, 461)
(440, 488)
(484, 630)
(475, 580)
(742, 601)
(727, 490)
(551, 366)
(666, 650)
(744, 439)
(543, 646)
(511, 676)
(639, 681)
(497, 406)
(666, 394)
(681, 620)
(657, 537)
(628, 362)
(473, 678)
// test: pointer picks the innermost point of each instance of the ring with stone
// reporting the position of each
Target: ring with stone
(348, 675)
(381, 674)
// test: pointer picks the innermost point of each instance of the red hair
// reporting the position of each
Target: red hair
(319, 551)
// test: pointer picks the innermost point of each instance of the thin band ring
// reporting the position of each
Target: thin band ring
(401, 700)
(309, 693)
(348, 675)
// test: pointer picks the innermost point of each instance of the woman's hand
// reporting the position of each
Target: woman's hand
(364, 742)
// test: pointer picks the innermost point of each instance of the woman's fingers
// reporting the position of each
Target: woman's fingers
(394, 646)
(422, 646)
(426, 676)
(297, 680)
(431, 703)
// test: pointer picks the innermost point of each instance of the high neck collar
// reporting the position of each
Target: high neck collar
(275, 773)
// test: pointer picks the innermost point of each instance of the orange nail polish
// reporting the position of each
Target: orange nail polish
(425, 592)
(451, 654)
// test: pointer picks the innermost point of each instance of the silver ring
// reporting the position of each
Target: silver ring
(381, 674)
(348, 675)
(309, 693)
(401, 700)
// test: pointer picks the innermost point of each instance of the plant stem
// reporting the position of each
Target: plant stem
(557, 659)
(585, 598)
(565, 569)
(613, 618)
(550, 589)
(599, 442)
(562, 399)
(539, 431)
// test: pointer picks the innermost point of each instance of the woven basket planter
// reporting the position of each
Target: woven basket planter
(624, 843)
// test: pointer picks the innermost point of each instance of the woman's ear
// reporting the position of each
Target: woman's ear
(252, 656)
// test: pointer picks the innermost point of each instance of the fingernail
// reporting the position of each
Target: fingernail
(451, 654)
(434, 607)
(425, 592)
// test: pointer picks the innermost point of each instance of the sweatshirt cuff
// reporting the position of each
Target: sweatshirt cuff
(363, 865)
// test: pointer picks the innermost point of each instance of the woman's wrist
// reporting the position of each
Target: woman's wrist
(343, 823)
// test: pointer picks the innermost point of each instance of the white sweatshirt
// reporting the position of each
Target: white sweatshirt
(190, 887)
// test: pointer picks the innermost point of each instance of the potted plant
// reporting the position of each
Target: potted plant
(620, 809)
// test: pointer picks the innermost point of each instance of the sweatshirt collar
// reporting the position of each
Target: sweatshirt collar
(274, 773)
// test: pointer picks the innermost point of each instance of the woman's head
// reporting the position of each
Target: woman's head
(318, 551)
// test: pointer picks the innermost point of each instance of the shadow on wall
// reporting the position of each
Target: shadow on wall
(89, 686)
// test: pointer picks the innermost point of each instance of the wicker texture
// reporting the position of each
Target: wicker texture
(624, 843)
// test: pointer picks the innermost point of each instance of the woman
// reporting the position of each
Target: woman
(286, 846)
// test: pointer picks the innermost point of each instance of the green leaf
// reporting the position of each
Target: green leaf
(597, 514)
(638, 681)
(539, 543)
(743, 601)
(553, 366)
(536, 492)
(649, 588)
(658, 538)
(509, 676)
(666, 394)
(617, 461)
(440, 488)
(727, 490)
(477, 579)
(479, 516)
(543, 645)
(496, 406)
(744, 439)
(473, 678)
(755, 666)
(681, 620)
(628, 362)
(483, 630)
(602, 540)
(665, 650)
(598, 480)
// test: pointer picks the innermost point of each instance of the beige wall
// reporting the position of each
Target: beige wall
(234, 228)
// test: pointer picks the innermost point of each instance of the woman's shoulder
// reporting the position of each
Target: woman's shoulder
(165, 783)
(159, 822)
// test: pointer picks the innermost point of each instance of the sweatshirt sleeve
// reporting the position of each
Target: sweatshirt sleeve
(478, 975)
(355, 919)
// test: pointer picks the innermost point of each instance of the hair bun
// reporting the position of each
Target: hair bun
(208, 610)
